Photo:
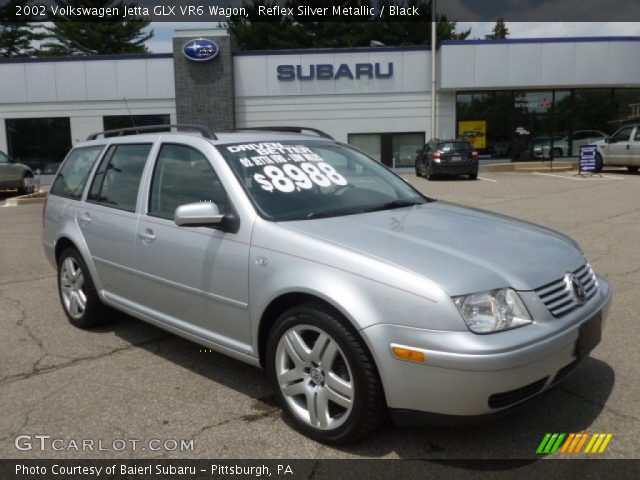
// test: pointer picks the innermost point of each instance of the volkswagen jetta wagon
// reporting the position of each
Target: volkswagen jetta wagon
(301, 255)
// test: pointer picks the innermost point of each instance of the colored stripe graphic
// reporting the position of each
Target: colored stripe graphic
(550, 443)
(553, 443)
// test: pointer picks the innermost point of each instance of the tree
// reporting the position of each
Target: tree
(85, 36)
(500, 30)
(334, 32)
(16, 38)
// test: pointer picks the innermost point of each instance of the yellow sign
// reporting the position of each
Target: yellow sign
(474, 132)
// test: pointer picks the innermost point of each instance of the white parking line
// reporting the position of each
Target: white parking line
(607, 177)
(487, 179)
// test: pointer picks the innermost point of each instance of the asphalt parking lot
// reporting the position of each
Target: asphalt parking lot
(131, 380)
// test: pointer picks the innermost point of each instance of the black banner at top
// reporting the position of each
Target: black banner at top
(320, 10)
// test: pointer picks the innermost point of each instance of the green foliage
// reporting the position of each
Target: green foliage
(500, 30)
(78, 37)
(286, 32)
(16, 39)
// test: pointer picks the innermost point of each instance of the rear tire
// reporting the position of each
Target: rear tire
(323, 375)
(78, 294)
(632, 169)
(473, 176)
(599, 163)
(23, 189)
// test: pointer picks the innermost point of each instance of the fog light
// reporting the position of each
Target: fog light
(408, 354)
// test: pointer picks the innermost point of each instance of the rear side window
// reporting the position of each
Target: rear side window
(183, 175)
(75, 171)
(117, 179)
(454, 146)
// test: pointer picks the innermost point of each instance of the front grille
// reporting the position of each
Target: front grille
(558, 296)
(504, 399)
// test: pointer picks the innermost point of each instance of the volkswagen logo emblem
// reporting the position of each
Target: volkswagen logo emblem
(200, 49)
(576, 287)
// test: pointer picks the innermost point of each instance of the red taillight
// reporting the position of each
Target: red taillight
(436, 155)
(44, 207)
(474, 154)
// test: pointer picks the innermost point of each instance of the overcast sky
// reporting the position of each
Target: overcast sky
(161, 43)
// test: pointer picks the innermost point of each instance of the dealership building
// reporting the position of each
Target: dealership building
(515, 98)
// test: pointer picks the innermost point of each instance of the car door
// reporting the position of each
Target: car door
(108, 218)
(619, 147)
(194, 278)
(634, 156)
(4, 163)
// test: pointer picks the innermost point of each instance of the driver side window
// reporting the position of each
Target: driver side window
(183, 175)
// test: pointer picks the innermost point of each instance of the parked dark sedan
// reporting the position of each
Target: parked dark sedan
(454, 157)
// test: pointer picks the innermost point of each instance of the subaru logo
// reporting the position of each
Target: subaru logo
(576, 287)
(200, 49)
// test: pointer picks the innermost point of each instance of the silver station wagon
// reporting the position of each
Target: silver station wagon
(358, 295)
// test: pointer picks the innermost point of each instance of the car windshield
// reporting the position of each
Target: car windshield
(306, 179)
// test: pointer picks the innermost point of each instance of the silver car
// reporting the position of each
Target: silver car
(298, 254)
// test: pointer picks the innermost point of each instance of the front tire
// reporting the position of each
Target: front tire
(323, 375)
(78, 294)
(473, 176)
(632, 169)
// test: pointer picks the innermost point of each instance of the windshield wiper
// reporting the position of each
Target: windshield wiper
(333, 213)
(392, 205)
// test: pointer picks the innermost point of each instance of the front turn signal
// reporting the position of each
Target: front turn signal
(408, 354)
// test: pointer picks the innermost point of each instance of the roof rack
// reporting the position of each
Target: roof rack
(204, 131)
(278, 128)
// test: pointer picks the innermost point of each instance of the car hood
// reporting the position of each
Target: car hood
(463, 250)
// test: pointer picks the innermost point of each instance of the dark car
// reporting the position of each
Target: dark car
(454, 157)
(14, 175)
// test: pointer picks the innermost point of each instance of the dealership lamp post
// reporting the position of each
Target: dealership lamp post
(433, 69)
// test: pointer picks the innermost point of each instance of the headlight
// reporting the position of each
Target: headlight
(493, 310)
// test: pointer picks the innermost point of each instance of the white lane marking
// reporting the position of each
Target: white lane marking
(577, 178)
(487, 179)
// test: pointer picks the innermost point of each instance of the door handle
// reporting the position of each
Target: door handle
(147, 235)
(85, 218)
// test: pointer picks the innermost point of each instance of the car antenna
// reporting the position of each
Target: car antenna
(133, 122)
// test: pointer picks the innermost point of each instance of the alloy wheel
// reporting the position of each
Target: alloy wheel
(314, 377)
(72, 288)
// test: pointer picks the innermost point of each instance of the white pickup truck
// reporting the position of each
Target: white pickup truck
(621, 150)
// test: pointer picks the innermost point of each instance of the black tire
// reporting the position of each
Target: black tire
(632, 169)
(599, 163)
(95, 312)
(368, 409)
(418, 173)
(473, 176)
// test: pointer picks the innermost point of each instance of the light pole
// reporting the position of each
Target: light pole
(433, 69)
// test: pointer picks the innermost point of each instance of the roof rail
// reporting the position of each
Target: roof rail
(278, 128)
(204, 131)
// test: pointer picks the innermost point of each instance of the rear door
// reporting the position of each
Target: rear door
(108, 217)
(193, 278)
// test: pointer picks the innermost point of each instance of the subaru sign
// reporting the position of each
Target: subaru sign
(327, 71)
(200, 49)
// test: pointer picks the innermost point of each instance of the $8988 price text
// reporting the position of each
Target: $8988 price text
(291, 177)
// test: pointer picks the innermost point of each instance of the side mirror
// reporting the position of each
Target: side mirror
(198, 214)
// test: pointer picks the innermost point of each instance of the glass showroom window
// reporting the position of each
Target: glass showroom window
(40, 143)
(113, 122)
(397, 150)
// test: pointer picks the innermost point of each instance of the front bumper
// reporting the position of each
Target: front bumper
(468, 375)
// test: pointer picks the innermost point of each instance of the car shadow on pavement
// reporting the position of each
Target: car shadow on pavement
(571, 406)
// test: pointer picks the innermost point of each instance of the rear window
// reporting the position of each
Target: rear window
(454, 146)
(75, 171)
